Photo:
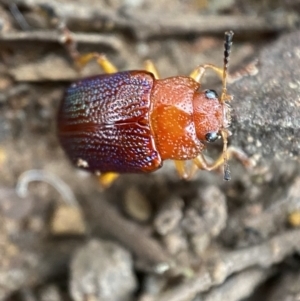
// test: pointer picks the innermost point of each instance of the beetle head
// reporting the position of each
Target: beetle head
(208, 115)
(212, 114)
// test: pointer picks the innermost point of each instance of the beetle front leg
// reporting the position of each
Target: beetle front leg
(198, 73)
(201, 162)
(249, 70)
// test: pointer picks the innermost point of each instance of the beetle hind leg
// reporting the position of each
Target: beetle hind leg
(101, 60)
(80, 60)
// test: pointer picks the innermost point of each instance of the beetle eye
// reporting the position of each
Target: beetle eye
(212, 136)
(211, 94)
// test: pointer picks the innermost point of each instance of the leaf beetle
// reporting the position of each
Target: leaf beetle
(131, 121)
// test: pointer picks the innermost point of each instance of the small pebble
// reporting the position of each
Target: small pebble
(67, 220)
(102, 270)
(137, 206)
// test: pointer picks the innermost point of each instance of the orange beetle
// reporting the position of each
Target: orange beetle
(131, 121)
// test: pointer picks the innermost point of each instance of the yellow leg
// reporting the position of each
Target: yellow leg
(201, 162)
(182, 170)
(198, 73)
(81, 60)
(150, 67)
(107, 178)
(101, 59)
(249, 70)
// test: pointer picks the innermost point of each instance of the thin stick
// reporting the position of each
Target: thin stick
(53, 36)
(146, 24)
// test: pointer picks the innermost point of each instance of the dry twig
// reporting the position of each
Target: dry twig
(217, 270)
(267, 222)
(128, 233)
(238, 286)
(107, 40)
(147, 24)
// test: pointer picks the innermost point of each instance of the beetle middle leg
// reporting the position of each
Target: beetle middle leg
(150, 67)
(183, 171)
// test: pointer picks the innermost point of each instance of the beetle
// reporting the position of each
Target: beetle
(132, 121)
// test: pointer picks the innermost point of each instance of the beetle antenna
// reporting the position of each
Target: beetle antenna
(224, 98)
(227, 50)
(224, 134)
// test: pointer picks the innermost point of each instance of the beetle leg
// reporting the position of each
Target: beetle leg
(249, 70)
(198, 73)
(150, 67)
(201, 162)
(101, 59)
(81, 60)
(68, 42)
(107, 178)
(182, 170)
